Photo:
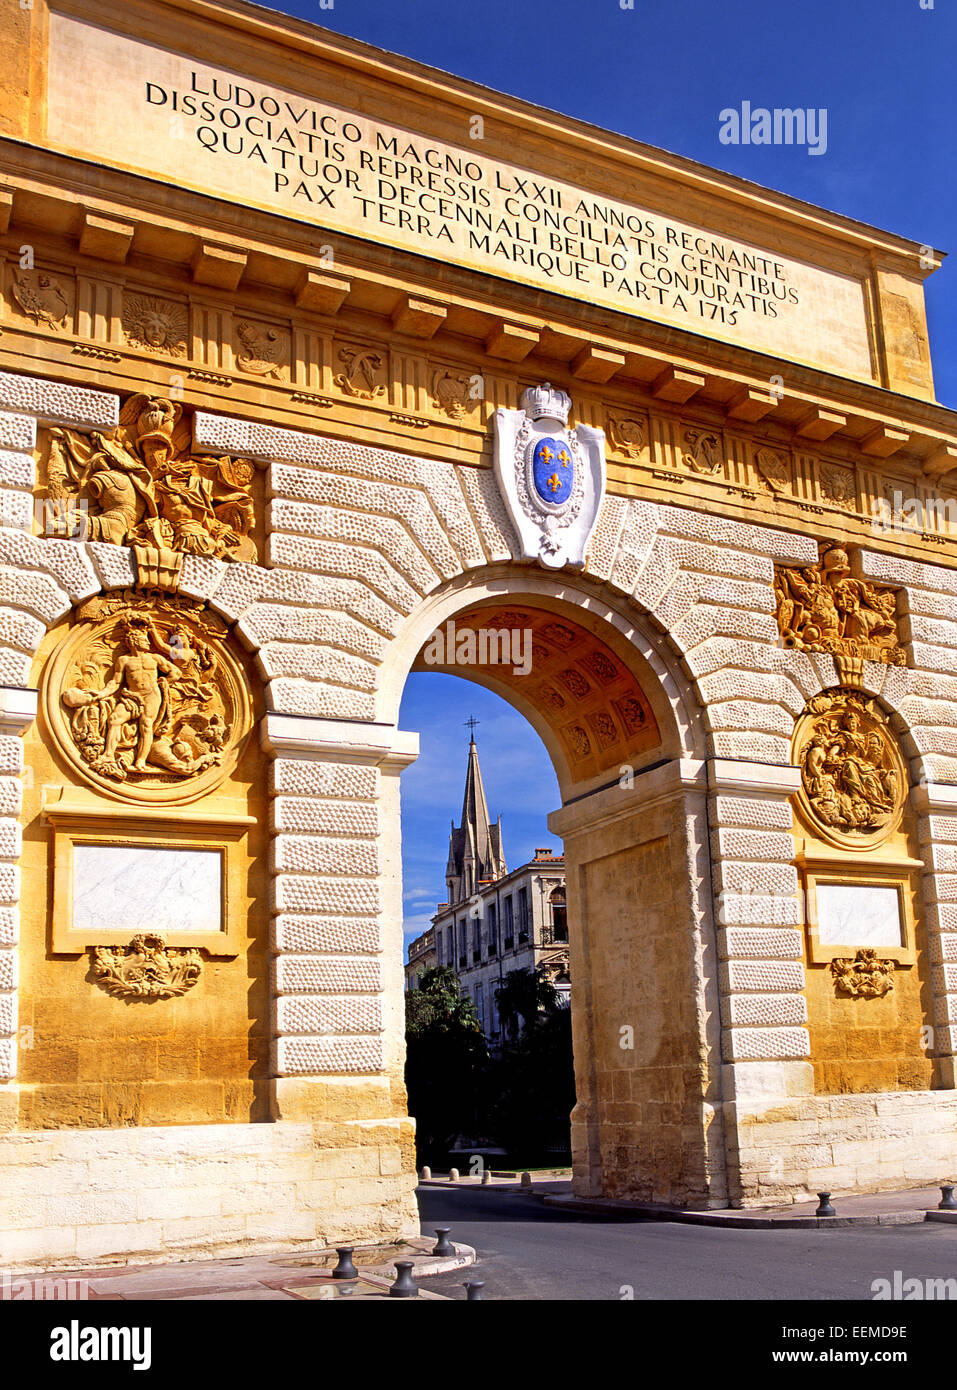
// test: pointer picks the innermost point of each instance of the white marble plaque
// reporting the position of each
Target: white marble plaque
(133, 888)
(858, 914)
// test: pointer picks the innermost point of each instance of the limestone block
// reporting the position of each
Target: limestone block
(896, 569)
(711, 620)
(748, 715)
(488, 512)
(201, 576)
(732, 683)
(335, 975)
(937, 767)
(348, 935)
(752, 844)
(290, 696)
(9, 895)
(606, 536)
(17, 432)
(942, 659)
(646, 574)
(14, 667)
(315, 854)
(274, 622)
(716, 653)
(944, 979)
(297, 893)
(66, 561)
(943, 947)
(319, 1015)
(929, 713)
(751, 747)
(931, 739)
(17, 470)
(58, 402)
(8, 1014)
(16, 509)
(313, 1056)
(758, 909)
(934, 630)
(764, 943)
(11, 796)
(10, 926)
(773, 879)
(345, 562)
(942, 857)
(381, 533)
(11, 839)
(310, 661)
(303, 815)
(760, 812)
(769, 1010)
(8, 1070)
(114, 564)
(303, 777)
(37, 593)
(695, 525)
(766, 1043)
(762, 976)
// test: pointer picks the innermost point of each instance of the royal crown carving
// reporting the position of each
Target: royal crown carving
(145, 699)
(853, 777)
(147, 968)
(823, 608)
(142, 486)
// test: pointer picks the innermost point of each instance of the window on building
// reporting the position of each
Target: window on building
(559, 919)
(523, 914)
(509, 924)
(477, 940)
(480, 1006)
(463, 943)
(492, 920)
(493, 1002)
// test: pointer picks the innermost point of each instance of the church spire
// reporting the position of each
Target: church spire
(475, 847)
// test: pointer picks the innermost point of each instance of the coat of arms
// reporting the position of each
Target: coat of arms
(552, 478)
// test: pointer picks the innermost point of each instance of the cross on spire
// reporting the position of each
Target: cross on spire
(470, 723)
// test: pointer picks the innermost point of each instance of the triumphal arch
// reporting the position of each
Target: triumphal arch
(308, 353)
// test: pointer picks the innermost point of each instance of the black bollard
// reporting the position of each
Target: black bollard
(824, 1207)
(345, 1269)
(443, 1245)
(473, 1290)
(948, 1203)
(404, 1286)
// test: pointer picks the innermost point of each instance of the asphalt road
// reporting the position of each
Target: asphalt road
(529, 1251)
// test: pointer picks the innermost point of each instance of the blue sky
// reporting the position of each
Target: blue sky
(661, 73)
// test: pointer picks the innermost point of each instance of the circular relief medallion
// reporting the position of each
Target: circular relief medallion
(853, 778)
(145, 699)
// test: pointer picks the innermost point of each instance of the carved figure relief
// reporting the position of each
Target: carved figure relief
(361, 374)
(262, 349)
(867, 976)
(821, 608)
(40, 296)
(145, 699)
(853, 777)
(704, 455)
(839, 485)
(155, 324)
(628, 436)
(146, 969)
(142, 486)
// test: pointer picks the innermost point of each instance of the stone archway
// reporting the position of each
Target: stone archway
(625, 738)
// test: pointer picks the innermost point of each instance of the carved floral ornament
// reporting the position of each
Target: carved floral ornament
(144, 698)
(853, 777)
(147, 968)
(867, 976)
(141, 486)
(823, 608)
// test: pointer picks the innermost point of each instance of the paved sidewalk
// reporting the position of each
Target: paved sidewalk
(285, 1277)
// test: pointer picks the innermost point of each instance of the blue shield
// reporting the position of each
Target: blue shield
(553, 470)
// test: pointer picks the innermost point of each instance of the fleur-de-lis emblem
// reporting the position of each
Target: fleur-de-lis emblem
(554, 482)
(546, 455)
(563, 458)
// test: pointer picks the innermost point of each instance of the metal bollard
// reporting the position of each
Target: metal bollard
(473, 1290)
(486, 1177)
(947, 1194)
(345, 1269)
(526, 1179)
(404, 1286)
(443, 1245)
(824, 1205)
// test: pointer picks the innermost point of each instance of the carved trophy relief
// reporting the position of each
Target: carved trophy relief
(853, 777)
(141, 486)
(704, 451)
(866, 976)
(261, 349)
(452, 393)
(147, 968)
(41, 296)
(823, 608)
(628, 436)
(361, 374)
(145, 699)
(774, 469)
(158, 325)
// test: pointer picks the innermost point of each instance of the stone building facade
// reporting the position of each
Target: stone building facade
(248, 464)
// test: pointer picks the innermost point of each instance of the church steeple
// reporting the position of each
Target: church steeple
(475, 847)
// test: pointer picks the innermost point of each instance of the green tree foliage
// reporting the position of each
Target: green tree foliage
(534, 1081)
(446, 1057)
